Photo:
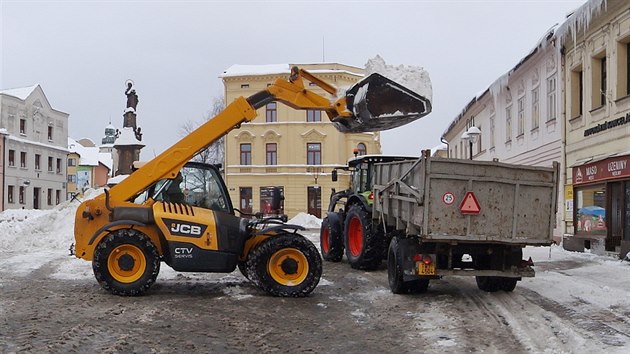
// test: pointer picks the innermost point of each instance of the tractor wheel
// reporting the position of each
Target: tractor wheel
(126, 262)
(331, 241)
(286, 265)
(395, 272)
(364, 244)
(489, 284)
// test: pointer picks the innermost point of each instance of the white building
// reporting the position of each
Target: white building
(33, 151)
(518, 116)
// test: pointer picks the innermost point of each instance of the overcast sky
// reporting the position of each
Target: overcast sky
(82, 52)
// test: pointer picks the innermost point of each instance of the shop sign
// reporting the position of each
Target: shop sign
(614, 167)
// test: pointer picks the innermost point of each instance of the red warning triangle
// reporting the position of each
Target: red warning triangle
(470, 205)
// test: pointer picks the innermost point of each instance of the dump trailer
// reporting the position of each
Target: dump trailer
(463, 217)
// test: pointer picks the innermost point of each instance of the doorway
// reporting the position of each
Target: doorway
(314, 197)
(245, 197)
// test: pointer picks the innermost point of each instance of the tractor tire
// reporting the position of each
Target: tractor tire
(489, 284)
(287, 265)
(331, 241)
(126, 262)
(364, 242)
(395, 272)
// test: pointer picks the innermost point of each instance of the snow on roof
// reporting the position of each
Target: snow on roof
(106, 159)
(20, 92)
(127, 137)
(244, 70)
(580, 19)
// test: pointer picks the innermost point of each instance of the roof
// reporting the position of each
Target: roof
(20, 92)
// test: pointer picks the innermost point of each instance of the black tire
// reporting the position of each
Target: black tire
(331, 241)
(126, 262)
(287, 265)
(489, 284)
(364, 242)
(395, 272)
(242, 266)
(508, 284)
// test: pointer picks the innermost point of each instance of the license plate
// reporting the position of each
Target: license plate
(426, 269)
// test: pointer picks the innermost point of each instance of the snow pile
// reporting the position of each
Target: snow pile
(414, 78)
(306, 220)
(23, 230)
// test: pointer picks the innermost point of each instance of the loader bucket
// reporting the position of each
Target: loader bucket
(378, 103)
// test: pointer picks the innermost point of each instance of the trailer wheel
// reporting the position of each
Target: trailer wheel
(489, 284)
(508, 284)
(126, 262)
(331, 241)
(364, 245)
(395, 272)
(286, 265)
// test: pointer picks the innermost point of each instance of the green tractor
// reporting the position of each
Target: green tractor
(348, 224)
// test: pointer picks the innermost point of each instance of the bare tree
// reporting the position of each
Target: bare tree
(215, 153)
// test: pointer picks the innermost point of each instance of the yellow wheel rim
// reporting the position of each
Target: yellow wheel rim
(288, 266)
(126, 263)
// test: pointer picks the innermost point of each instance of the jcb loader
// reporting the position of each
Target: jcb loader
(130, 229)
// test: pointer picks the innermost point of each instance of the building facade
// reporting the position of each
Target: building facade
(87, 166)
(596, 55)
(518, 116)
(34, 150)
(293, 150)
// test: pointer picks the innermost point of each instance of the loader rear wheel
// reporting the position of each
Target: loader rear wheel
(364, 244)
(286, 265)
(331, 241)
(126, 262)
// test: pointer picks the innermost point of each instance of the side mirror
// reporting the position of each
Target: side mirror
(334, 175)
(276, 198)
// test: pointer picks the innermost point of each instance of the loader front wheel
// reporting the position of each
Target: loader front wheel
(286, 265)
(126, 262)
(331, 240)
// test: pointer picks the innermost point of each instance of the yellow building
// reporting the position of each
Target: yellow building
(291, 149)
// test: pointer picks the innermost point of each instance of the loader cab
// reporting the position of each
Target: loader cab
(197, 184)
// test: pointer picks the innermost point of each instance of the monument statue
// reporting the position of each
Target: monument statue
(132, 97)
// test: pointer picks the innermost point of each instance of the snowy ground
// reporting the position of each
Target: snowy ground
(578, 302)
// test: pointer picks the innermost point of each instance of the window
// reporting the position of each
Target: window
(246, 154)
(23, 126)
(50, 133)
(57, 197)
(455, 154)
(508, 124)
(492, 132)
(313, 154)
(72, 178)
(22, 192)
(50, 163)
(551, 98)
(244, 86)
(272, 113)
(37, 158)
(72, 162)
(479, 138)
(623, 69)
(313, 115)
(598, 73)
(521, 116)
(58, 165)
(591, 210)
(535, 110)
(577, 93)
(10, 194)
(11, 157)
(49, 196)
(23, 159)
(361, 149)
(272, 153)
